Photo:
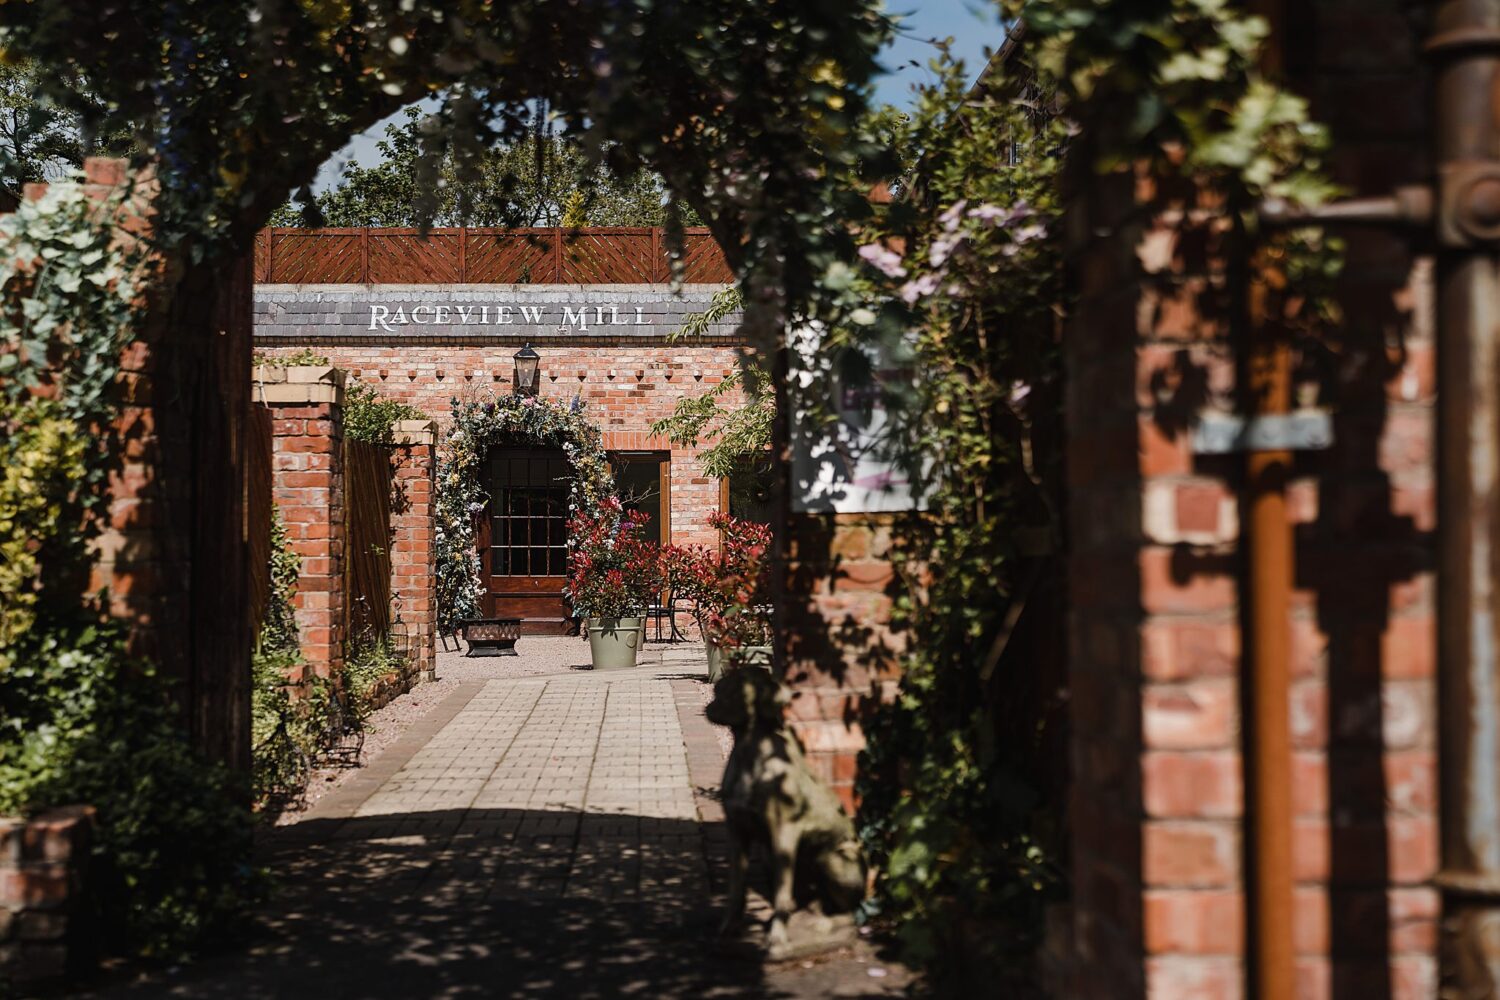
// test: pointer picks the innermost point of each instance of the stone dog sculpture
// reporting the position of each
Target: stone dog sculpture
(772, 800)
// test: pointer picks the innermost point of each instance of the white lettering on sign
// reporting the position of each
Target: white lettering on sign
(505, 314)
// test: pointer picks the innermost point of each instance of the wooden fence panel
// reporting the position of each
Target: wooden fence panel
(406, 257)
(258, 501)
(702, 260)
(263, 255)
(607, 256)
(367, 540)
(594, 256)
(511, 256)
(314, 256)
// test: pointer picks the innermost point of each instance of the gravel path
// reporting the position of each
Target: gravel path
(539, 656)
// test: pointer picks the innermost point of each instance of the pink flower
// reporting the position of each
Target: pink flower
(914, 290)
(886, 261)
(954, 214)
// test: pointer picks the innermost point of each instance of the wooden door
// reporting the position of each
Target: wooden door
(525, 558)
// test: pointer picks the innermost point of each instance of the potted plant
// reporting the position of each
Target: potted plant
(613, 574)
(731, 587)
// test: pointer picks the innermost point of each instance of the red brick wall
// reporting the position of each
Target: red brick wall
(1158, 797)
(414, 539)
(44, 861)
(839, 653)
(307, 484)
(173, 558)
(626, 389)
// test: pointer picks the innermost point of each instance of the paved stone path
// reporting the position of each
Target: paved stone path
(535, 837)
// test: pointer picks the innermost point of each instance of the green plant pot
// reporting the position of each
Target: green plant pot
(749, 656)
(715, 661)
(614, 642)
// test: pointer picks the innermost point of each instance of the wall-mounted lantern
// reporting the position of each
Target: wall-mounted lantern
(527, 361)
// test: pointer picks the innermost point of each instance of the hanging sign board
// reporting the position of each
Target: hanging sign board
(849, 454)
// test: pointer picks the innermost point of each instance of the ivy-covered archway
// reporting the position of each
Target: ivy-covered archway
(477, 427)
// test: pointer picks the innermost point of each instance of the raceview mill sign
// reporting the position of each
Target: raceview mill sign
(563, 316)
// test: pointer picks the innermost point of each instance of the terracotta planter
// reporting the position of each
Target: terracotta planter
(614, 642)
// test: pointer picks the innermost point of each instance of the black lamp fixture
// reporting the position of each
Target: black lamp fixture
(527, 361)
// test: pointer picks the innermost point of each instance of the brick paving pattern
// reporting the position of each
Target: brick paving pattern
(551, 836)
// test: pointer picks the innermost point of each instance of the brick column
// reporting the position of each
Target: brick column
(44, 927)
(840, 653)
(1159, 840)
(414, 539)
(307, 478)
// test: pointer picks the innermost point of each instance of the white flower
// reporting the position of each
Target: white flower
(864, 317)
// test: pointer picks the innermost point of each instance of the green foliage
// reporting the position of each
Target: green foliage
(302, 357)
(966, 856)
(738, 432)
(82, 721)
(369, 661)
(41, 139)
(542, 180)
(368, 416)
(1178, 81)
(173, 842)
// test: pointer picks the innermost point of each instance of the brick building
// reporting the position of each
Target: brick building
(429, 320)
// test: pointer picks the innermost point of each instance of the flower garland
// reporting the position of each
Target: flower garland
(462, 499)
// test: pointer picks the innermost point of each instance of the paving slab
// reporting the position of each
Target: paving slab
(553, 835)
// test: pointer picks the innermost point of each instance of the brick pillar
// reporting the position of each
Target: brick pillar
(307, 480)
(44, 925)
(1159, 849)
(414, 539)
(840, 654)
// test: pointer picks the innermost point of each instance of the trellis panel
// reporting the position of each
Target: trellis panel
(406, 257)
(607, 256)
(511, 256)
(314, 256)
(590, 256)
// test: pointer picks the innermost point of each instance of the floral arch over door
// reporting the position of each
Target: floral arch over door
(462, 500)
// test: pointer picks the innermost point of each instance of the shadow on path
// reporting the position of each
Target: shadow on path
(493, 903)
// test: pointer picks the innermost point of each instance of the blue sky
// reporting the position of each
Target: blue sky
(972, 24)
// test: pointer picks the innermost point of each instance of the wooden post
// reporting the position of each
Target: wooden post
(463, 241)
(655, 253)
(557, 256)
(364, 255)
(270, 254)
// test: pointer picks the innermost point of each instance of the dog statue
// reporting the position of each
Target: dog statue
(772, 799)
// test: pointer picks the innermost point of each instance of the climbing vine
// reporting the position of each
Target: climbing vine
(968, 848)
(462, 500)
(81, 719)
